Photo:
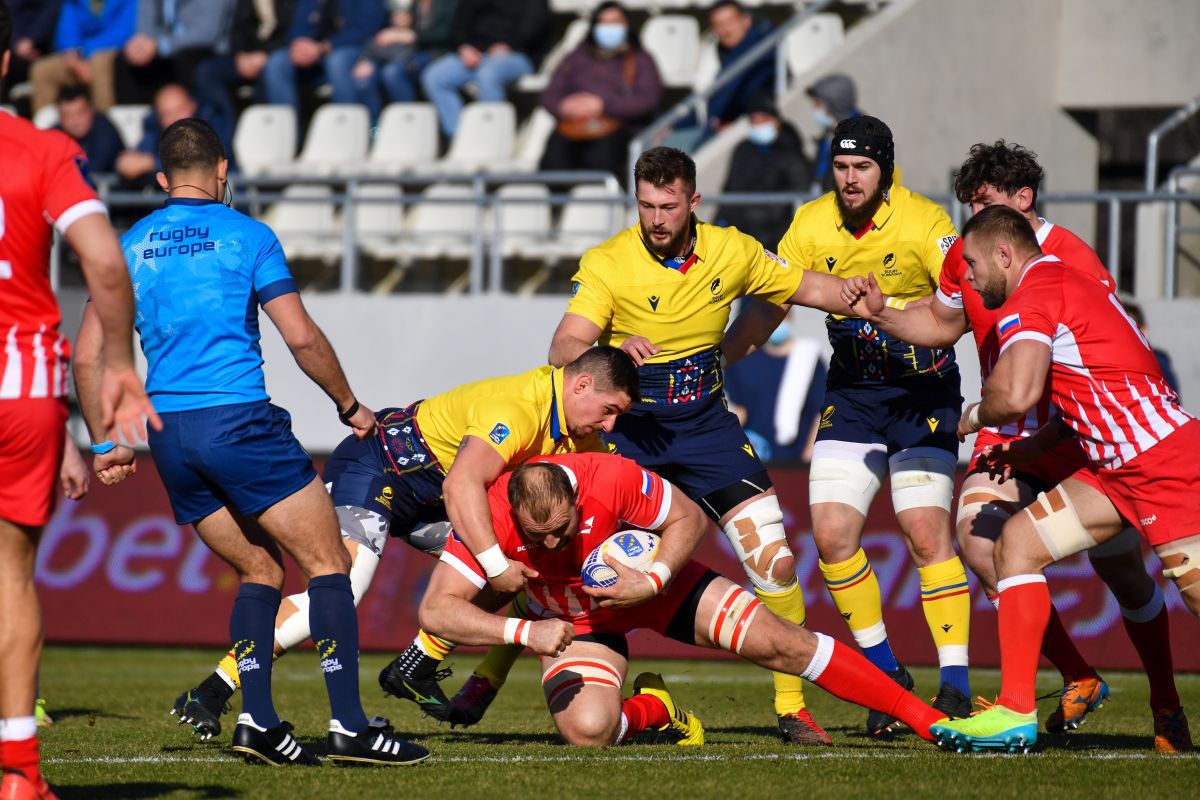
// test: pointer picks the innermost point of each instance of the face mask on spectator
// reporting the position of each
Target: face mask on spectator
(822, 118)
(609, 35)
(763, 134)
(781, 335)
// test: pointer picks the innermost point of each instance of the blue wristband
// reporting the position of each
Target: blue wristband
(104, 447)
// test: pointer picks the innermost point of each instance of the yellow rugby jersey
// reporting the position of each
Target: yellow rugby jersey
(627, 291)
(904, 246)
(520, 416)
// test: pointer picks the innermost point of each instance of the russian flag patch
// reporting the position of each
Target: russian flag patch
(1008, 323)
(647, 484)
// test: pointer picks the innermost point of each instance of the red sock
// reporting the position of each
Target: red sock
(1060, 651)
(1024, 612)
(1152, 640)
(851, 677)
(22, 754)
(643, 711)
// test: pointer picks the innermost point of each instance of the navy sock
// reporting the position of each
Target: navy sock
(333, 621)
(957, 676)
(252, 630)
(881, 656)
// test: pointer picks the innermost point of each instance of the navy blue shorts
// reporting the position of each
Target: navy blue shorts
(243, 456)
(360, 473)
(916, 413)
(699, 446)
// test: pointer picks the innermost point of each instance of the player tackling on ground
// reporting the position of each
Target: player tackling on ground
(1141, 445)
(550, 514)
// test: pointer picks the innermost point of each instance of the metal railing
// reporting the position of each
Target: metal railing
(1180, 116)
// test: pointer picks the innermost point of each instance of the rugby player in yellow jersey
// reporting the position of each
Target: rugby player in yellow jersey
(661, 291)
(427, 470)
(889, 406)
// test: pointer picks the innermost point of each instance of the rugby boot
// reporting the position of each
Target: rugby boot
(1171, 731)
(952, 702)
(376, 745)
(684, 728)
(879, 723)
(471, 702)
(203, 706)
(998, 728)
(275, 746)
(1076, 701)
(16, 785)
(799, 727)
(426, 691)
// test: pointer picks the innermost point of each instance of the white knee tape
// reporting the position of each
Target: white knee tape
(922, 477)
(846, 472)
(295, 629)
(759, 541)
(735, 612)
(1124, 542)
(1057, 523)
(1187, 574)
(983, 503)
(362, 571)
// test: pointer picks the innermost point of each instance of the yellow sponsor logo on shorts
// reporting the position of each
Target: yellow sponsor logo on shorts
(827, 418)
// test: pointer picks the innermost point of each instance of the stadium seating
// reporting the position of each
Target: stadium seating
(46, 117)
(584, 224)
(485, 137)
(305, 224)
(265, 139)
(525, 227)
(406, 140)
(130, 122)
(379, 223)
(442, 230)
(674, 42)
(576, 32)
(810, 42)
(337, 141)
(531, 143)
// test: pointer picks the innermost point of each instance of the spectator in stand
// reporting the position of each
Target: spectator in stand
(260, 27)
(777, 392)
(414, 37)
(32, 36)
(1164, 359)
(327, 39)
(94, 131)
(834, 98)
(137, 168)
(172, 38)
(87, 40)
(497, 42)
(601, 93)
(770, 159)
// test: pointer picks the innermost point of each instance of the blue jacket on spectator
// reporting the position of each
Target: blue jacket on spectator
(197, 24)
(80, 29)
(102, 145)
(343, 23)
(729, 102)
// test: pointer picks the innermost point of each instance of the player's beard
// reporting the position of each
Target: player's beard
(855, 218)
(993, 292)
(674, 245)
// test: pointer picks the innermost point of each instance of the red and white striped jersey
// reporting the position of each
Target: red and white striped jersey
(1104, 379)
(955, 292)
(42, 185)
(613, 493)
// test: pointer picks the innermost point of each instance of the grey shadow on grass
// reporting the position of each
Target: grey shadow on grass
(141, 790)
(90, 714)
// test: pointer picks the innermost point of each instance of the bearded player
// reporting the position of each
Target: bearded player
(549, 514)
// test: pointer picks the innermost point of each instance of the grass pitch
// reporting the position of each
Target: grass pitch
(113, 738)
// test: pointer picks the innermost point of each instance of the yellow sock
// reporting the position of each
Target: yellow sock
(788, 604)
(500, 659)
(946, 601)
(228, 670)
(432, 646)
(855, 591)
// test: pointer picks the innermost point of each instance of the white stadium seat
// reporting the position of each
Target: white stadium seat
(585, 225)
(531, 143)
(810, 42)
(265, 139)
(46, 117)
(576, 32)
(337, 140)
(379, 223)
(130, 122)
(305, 229)
(442, 230)
(524, 227)
(573, 6)
(484, 139)
(708, 64)
(674, 41)
(407, 139)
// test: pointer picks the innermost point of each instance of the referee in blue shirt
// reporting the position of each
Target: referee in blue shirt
(226, 455)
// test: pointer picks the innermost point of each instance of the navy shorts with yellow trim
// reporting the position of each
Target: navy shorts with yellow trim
(918, 412)
(698, 446)
(242, 455)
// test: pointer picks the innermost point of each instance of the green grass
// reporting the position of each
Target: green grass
(113, 738)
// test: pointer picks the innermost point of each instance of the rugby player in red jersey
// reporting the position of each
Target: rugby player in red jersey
(549, 514)
(1106, 385)
(42, 190)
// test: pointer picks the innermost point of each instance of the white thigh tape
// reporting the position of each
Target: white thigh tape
(735, 612)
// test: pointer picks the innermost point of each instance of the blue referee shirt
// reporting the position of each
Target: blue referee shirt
(200, 271)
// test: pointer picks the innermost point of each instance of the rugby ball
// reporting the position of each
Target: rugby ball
(636, 549)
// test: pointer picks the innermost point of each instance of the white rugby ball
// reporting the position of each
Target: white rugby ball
(636, 549)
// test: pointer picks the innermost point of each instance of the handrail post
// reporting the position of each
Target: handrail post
(496, 264)
(1114, 237)
(1169, 124)
(349, 277)
(476, 268)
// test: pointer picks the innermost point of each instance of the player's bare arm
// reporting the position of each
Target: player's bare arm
(448, 611)
(1014, 386)
(475, 468)
(822, 291)
(681, 532)
(750, 328)
(88, 366)
(122, 399)
(73, 474)
(1018, 454)
(316, 357)
(575, 334)
(925, 324)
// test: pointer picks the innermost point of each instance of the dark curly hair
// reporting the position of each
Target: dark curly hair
(1008, 167)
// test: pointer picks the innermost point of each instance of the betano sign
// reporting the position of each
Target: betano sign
(116, 569)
